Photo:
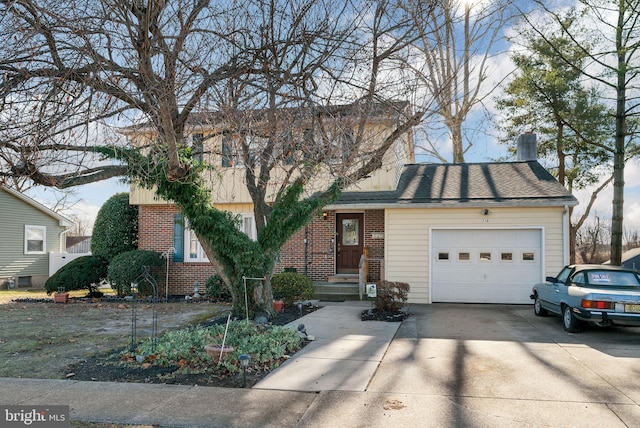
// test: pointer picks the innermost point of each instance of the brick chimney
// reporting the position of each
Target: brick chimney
(527, 147)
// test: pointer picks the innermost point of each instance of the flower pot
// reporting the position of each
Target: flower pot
(278, 305)
(61, 297)
(215, 351)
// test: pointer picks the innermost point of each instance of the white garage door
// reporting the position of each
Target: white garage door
(485, 265)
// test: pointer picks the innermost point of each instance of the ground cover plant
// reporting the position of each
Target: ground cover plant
(184, 350)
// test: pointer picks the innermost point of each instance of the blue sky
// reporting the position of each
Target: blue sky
(485, 148)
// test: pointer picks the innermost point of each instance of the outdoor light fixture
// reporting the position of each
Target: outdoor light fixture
(486, 211)
(244, 363)
(299, 305)
(303, 330)
(325, 215)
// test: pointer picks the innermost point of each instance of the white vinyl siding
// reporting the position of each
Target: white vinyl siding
(407, 239)
(15, 262)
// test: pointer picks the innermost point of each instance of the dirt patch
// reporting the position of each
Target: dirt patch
(41, 340)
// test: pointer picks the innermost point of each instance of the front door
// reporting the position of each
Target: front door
(350, 241)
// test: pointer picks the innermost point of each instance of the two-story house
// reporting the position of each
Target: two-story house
(481, 232)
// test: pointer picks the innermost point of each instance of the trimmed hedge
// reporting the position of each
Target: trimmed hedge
(116, 228)
(291, 286)
(127, 267)
(83, 272)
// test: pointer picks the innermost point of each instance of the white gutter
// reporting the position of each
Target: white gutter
(453, 204)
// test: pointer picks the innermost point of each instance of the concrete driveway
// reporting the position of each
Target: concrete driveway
(453, 365)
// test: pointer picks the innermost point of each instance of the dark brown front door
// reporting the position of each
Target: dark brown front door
(349, 242)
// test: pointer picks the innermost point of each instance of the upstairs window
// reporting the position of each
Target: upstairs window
(227, 151)
(198, 146)
(35, 239)
(341, 147)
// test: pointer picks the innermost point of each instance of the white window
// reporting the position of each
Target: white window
(193, 251)
(35, 239)
(248, 226)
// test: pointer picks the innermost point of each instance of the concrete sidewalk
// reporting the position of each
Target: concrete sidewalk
(447, 366)
(344, 356)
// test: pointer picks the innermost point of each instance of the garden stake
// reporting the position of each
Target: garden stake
(224, 338)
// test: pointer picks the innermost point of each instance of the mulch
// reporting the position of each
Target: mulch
(102, 368)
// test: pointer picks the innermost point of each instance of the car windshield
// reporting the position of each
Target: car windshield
(607, 278)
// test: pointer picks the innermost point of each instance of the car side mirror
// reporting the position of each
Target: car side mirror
(551, 279)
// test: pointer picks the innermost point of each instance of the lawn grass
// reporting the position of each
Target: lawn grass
(39, 340)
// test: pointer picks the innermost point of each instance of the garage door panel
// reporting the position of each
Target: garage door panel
(485, 265)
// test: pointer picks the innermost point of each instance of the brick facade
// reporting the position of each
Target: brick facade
(155, 233)
(310, 251)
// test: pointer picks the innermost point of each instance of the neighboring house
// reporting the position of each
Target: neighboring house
(482, 232)
(30, 232)
(630, 259)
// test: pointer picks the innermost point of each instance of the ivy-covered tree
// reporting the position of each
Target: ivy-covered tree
(546, 95)
(73, 68)
(115, 230)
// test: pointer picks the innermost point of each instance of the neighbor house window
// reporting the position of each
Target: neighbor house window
(35, 239)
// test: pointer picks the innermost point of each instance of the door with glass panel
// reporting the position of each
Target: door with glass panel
(349, 242)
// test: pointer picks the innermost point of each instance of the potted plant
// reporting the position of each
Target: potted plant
(278, 305)
(61, 296)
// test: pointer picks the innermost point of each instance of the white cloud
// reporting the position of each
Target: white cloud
(603, 204)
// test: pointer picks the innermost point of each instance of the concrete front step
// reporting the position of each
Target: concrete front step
(344, 279)
(336, 291)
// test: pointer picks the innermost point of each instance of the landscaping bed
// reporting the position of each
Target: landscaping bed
(46, 340)
(121, 366)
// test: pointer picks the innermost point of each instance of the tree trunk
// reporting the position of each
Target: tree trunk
(619, 153)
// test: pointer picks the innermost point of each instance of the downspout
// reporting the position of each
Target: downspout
(565, 235)
(63, 248)
(306, 250)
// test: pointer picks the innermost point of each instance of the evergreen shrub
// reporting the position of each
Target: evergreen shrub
(83, 272)
(291, 286)
(127, 267)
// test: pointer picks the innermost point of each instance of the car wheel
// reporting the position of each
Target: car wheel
(570, 322)
(538, 309)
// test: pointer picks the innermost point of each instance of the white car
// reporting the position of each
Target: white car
(599, 294)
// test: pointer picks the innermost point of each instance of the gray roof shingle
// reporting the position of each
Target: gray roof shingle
(468, 184)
